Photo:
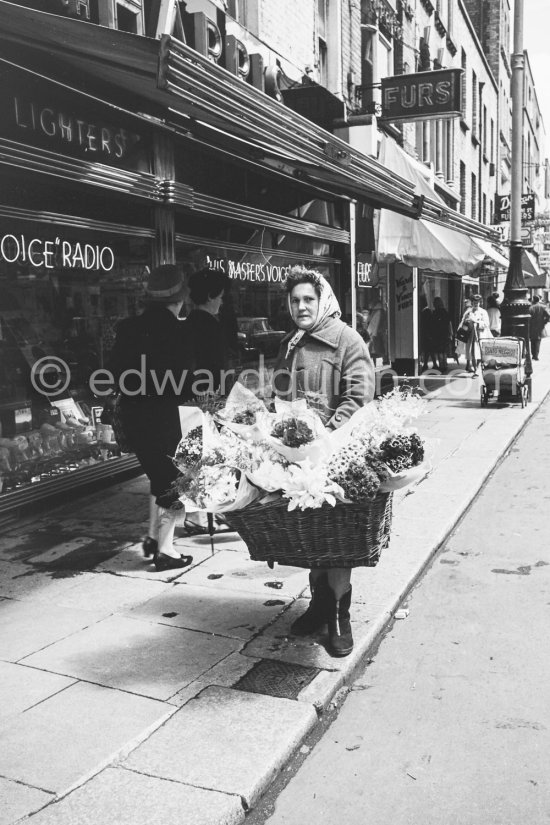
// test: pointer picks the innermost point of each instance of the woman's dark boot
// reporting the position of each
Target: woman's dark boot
(316, 615)
(340, 639)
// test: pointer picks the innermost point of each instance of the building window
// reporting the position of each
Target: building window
(492, 155)
(367, 64)
(126, 15)
(442, 8)
(485, 131)
(463, 89)
(463, 187)
(322, 29)
(449, 152)
(474, 104)
(474, 197)
(484, 208)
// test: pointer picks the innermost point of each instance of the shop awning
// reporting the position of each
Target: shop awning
(534, 276)
(187, 92)
(492, 253)
(434, 246)
(426, 245)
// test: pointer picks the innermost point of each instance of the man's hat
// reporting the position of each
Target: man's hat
(477, 298)
(165, 285)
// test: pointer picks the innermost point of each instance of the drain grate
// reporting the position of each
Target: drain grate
(272, 678)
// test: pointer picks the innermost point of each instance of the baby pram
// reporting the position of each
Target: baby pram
(503, 370)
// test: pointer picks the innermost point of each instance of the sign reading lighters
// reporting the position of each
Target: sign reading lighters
(422, 96)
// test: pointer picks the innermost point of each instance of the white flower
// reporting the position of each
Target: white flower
(309, 486)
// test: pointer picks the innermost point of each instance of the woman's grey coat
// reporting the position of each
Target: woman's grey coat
(331, 368)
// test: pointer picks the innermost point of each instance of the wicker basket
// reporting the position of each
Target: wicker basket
(347, 535)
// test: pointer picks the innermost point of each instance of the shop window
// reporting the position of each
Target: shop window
(372, 321)
(255, 304)
(62, 291)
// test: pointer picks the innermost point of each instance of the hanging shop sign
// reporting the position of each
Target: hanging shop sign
(55, 254)
(422, 96)
(503, 205)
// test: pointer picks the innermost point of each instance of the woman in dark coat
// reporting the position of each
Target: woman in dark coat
(325, 360)
(152, 364)
(206, 333)
(442, 333)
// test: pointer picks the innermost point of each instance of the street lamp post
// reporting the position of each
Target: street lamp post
(515, 306)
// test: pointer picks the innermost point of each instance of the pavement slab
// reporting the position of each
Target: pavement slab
(121, 797)
(35, 626)
(112, 594)
(23, 581)
(131, 562)
(229, 570)
(17, 800)
(146, 658)
(240, 741)
(22, 687)
(69, 736)
(225, 674)
(236, 614)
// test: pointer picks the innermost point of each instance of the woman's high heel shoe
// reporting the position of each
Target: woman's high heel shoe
(150, 547)
(163, 562)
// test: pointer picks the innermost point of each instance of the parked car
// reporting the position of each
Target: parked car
(255, 335)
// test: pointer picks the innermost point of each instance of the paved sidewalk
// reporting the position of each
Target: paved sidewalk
(118, 684)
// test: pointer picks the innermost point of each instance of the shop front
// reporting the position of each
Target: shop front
(103, 175)
(427, 262)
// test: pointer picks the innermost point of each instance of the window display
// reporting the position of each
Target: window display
(256, 305)
(62, 290)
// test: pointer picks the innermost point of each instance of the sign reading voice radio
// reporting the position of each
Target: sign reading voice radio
(58, 254)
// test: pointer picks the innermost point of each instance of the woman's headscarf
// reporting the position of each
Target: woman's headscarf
(328, 308)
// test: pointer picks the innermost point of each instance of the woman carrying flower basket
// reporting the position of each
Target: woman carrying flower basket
(327, 363)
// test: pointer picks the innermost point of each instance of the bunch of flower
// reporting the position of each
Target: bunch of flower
(189, 450)
(401, 452)
(293, 432)
(211, 485)
(358, 469)
(308, 485)
(246, 416)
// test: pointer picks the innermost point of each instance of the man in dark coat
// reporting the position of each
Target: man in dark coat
(539, 319)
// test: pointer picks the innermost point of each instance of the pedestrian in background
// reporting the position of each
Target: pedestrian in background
(461, 348)
(155, 346)
(442, 333)
(207, 335)
(539, 319)
(477, 320)
(493, 311)
(328, 359)
(426, 335)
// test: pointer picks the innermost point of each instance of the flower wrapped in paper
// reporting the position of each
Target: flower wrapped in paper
(226, 463)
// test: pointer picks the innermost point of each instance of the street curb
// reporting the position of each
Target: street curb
(368, 644)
